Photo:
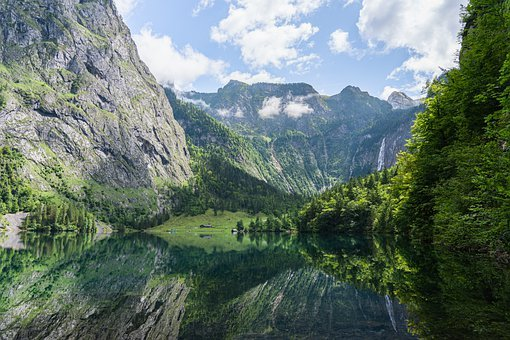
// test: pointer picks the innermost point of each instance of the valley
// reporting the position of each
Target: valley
(137, 203)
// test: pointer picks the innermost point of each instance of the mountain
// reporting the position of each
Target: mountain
(80, 105)
(314, 140)
(401, 101)
(78, 95)
(231, 172)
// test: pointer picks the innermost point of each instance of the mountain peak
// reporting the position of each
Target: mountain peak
(353, 89)
(401, 101)
(235, 83)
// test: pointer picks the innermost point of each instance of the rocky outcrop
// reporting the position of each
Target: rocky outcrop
(401, 101)
(76, 95)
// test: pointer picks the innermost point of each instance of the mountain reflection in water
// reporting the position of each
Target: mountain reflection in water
(142, 286)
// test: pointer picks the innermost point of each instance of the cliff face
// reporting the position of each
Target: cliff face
(309, 302)
(77, 96)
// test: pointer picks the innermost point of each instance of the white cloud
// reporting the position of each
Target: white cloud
(202, 5)
(239, 113)
(387, 91)
(270, 108)
(261, 77)
(339, 42)
(305, 63)
(197, 102)
(223, 112)
(297, 109)
(274, 45)
(428, 29)
(125, 7)
(173, 66)
(268, 32)
(294, 107)
(233, 112)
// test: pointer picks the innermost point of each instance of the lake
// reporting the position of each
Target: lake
(216, 286)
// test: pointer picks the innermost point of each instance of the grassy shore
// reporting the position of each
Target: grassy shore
(222, 221)
(185, 231)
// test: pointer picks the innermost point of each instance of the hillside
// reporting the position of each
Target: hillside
(81, 107)
(315, 140)
(451, 188)
(231, 172)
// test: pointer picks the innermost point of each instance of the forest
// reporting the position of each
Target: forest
(452, 186)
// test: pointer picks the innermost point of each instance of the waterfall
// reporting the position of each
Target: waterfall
(391, 313)
(380, 159)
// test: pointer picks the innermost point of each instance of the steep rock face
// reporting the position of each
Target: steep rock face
(309, 302)
(401, 101)
(112, 289)
(314, 140)
(76, 94)
(377, 147)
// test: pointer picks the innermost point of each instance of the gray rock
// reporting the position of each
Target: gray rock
(401, 101)
(77, 94)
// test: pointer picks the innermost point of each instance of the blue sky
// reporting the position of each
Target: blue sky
(377, 45)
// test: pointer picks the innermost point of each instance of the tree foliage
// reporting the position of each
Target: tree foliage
(362, 204)
(456, 188)
(61, 216)
(452, 186)
(15, 193)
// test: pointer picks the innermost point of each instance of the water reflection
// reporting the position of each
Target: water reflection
(257, 286)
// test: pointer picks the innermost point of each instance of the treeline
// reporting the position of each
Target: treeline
(59, 216)
(274, 223)
(452, 186)
(361, 205)
(56, 214)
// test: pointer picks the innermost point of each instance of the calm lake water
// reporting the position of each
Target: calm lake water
(196, 286)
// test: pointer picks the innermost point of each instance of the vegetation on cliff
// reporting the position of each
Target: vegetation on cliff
(230, 174)
(15, 192)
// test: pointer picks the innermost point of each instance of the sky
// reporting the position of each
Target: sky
(378, 45)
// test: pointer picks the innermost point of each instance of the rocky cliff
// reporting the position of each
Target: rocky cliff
(401, 101)
(76, 97)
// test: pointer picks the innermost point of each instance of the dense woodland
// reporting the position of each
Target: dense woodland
(361, 205)
(452, 187)
(61, 216)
